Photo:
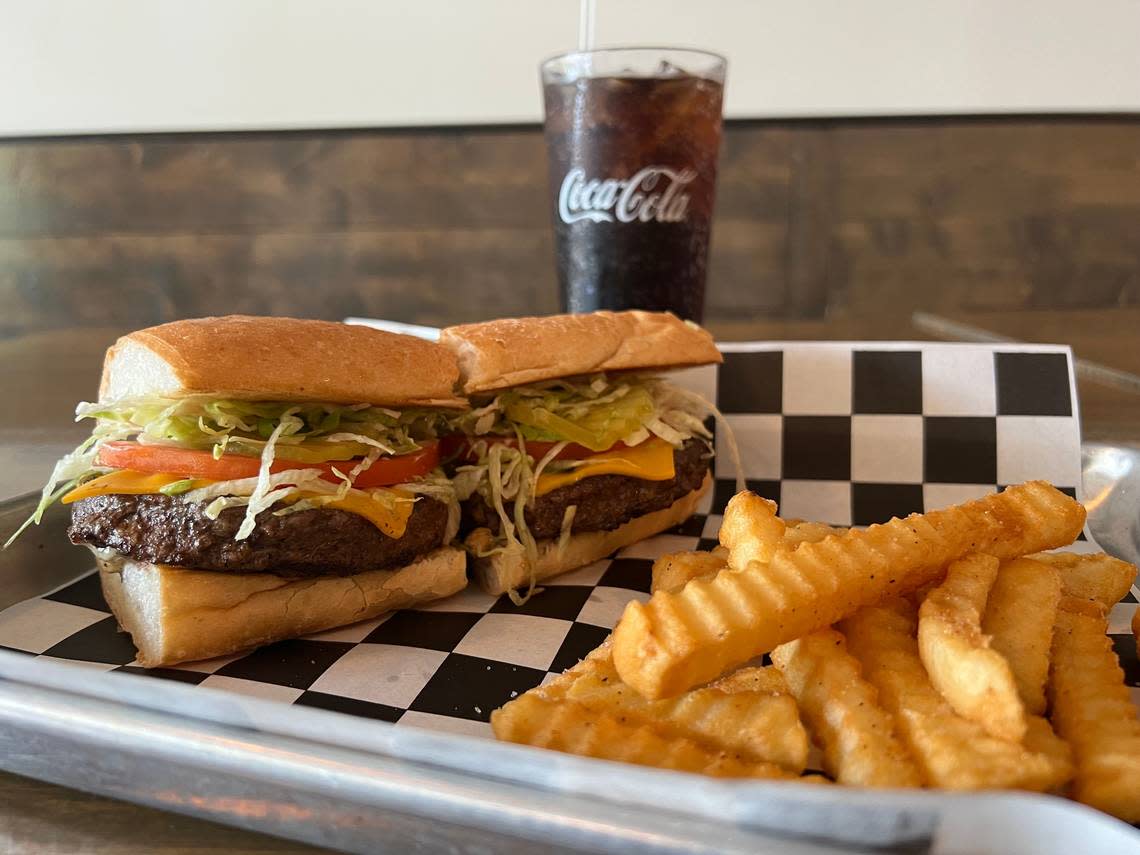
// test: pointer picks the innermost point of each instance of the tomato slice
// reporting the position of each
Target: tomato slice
(231, 467)
(459, 445)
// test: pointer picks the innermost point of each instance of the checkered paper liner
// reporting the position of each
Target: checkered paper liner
(848, 434)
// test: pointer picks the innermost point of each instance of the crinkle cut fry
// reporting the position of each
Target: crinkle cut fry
(750, 530)
(677, 641)
(566, 726)
(1019, 618)
(1094, 576)
(798, 532)
(1040, 739)
(1093, 711)
(750, 714)
(976, 680)
(596, 661)
(673, 571)
(952, 752)
(857, 736)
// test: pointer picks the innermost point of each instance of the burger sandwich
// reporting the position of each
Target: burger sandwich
(254, 479)
(575, 446)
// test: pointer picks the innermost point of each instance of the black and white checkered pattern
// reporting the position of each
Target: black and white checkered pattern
(445, 666)
(855, 434)
(845, 434)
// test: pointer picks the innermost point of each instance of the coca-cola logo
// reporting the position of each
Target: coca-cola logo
(653, 193)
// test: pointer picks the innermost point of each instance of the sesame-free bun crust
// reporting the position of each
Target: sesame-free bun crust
(280, 359)
(178, 615)
(504, 571)
(513, 351)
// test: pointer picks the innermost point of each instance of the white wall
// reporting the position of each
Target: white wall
(69, 66)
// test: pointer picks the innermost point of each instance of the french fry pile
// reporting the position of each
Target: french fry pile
(923, 652)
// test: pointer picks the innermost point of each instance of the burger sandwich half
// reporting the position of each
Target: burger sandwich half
(575, 446)
(254, 479)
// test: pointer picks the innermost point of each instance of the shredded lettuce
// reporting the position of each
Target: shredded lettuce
(303, 489)
(269, 430)
(504, 474)
(528, 479)
(261, 498)
(596, 412)
(547, 460)
(244, 427)
(435, 485)
(70, 471)
(697, 402)
(567, 525)
(439, 487)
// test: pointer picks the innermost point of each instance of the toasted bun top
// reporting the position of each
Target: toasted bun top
(280, 359)
(513, 351)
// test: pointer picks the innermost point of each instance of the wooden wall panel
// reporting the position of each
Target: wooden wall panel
(814, 219)
(997, 215)
(219, 183)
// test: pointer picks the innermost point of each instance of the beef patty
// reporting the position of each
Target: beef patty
(317, 542)
(604, 502)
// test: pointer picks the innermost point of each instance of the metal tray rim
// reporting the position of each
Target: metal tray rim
(827, 814)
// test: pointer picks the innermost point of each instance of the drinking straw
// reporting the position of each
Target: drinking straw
(586, 12)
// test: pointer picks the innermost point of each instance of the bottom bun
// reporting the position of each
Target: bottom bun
(179, 615)
(504, 571)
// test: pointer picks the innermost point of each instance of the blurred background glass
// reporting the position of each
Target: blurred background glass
(632, 139)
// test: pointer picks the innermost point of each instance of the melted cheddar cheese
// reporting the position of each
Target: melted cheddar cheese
(384, 512)
(380, 507)
(650, 461)
(125, 482)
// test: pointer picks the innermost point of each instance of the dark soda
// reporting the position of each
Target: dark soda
(633, 175)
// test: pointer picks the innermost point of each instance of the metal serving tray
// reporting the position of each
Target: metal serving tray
(367, 786)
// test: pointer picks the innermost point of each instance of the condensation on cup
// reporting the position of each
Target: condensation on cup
(632, 139)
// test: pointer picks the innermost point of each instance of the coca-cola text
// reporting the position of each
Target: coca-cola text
(654, 193)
